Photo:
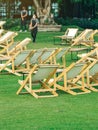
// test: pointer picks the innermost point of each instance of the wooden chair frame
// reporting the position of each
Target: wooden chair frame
(7, 38)
(71, 77)
(68, 36)
(18, 62)
(86, 38)
(2, 23)
(92, 78)
(40, 74)
(16, 46)
(1, 32)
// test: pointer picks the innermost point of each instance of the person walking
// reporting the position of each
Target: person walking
(23, 19)
(34, 27)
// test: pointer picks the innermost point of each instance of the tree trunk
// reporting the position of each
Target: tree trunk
(43, 9)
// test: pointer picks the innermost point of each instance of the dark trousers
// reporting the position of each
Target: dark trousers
(33, 34)
(23, 24)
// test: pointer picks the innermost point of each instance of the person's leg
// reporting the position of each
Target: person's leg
(33, 34)
(24, 25)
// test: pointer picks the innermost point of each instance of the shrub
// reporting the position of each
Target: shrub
(81, 22)
(13, 24)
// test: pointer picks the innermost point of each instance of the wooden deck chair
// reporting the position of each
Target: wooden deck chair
(2, 23)
(61, 56)
(69, 35)
(70, 78)
(40, 74)
(92, 70)
(85, 38)
(34, 59)
(48, 56)
(42, 56)
(16, 46)
(17, 63)
(7, 38)
(22, 45)
(89, 38)
(92, 73)
(92, 54)
(8, 49)
(92, 78)
(1, 32)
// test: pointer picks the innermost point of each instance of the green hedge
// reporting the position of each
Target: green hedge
(82, 23)
(14, 24)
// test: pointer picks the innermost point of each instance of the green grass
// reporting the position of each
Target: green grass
(65, 112)
(44, 39)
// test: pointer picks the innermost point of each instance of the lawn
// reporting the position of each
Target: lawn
(65, 112)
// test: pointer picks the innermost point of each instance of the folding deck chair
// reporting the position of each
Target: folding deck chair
(68, 36)
(92, 73)
(92, 78)
(2, 23)
(34, 59)
(17, 63)
(40, 74)
(43, 56)
(85, 38)
(92, 54)
(89, 39)
(61, 56)
(16, 46)
(68, 80)
(48, 56)
(7, 38)
(1, 32)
